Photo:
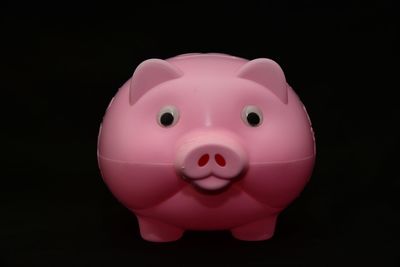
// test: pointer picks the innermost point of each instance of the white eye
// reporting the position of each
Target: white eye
(252, 116)
(168, 116)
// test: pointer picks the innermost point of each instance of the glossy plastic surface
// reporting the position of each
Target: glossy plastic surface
(235, 148)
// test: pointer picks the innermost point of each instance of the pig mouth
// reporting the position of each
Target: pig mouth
(209, 183)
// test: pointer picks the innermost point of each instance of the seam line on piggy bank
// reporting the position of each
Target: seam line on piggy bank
(172, 164)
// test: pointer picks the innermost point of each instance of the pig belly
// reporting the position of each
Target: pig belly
(192, 210)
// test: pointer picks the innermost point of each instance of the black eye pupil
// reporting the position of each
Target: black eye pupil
(253, 119)
(167, 119)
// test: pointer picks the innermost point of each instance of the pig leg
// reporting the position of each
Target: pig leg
(256, 231)
(156, 231)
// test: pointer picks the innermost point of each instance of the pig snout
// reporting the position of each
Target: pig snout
(211, 161)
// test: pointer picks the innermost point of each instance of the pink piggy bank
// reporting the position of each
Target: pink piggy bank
(206, 142)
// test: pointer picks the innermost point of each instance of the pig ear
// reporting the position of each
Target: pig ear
(149, 74)
(267, 73)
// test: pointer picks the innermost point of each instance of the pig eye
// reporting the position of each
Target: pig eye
(168, 116)
(252, 116)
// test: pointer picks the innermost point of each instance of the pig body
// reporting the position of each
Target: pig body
(206, 142)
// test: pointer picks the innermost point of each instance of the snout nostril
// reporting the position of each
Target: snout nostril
(220, 160)
(203, 160)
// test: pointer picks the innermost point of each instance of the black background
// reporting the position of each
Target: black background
(61, 63)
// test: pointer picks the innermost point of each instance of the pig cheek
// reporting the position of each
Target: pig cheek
(139, 185)
(277, 184)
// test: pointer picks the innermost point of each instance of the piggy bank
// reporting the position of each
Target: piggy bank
(206, 142)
